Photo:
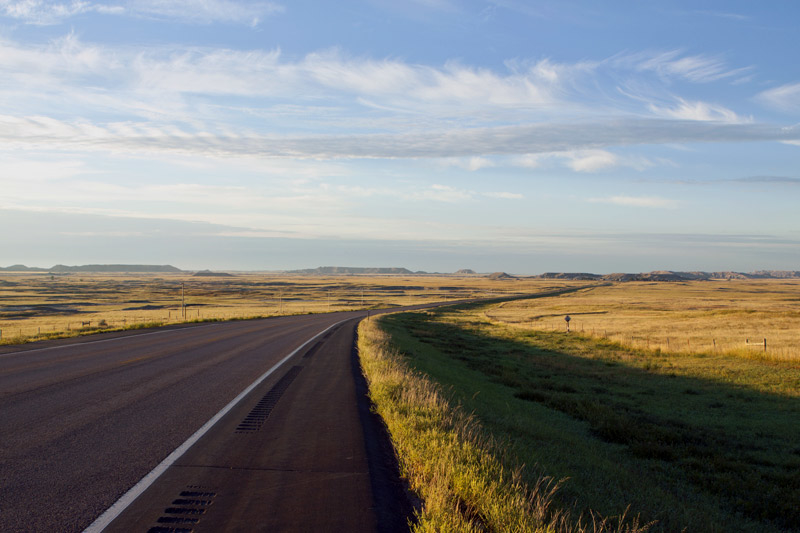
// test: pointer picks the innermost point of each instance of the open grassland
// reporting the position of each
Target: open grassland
(720, 316)
(462, 474)
(690, 441)
(37, 306)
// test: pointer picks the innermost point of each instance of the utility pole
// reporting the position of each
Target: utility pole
(183, 302)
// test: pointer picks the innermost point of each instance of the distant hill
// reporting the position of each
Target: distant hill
(22, 268)
(668, 275)
(352, 270)
(570, 275)
(95, 268)
(466, 271)
(500, 275)
(209, 273)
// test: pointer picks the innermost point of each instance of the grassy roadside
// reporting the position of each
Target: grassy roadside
(692, 441)
(465, 476)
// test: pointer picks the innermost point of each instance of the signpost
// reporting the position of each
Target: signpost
(567, 319)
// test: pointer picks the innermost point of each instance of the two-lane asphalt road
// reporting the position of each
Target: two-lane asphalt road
(82, 422)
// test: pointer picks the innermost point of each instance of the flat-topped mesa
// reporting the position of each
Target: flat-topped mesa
(94, 268)
(352, 270)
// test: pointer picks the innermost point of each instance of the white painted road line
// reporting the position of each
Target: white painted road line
(120, 505)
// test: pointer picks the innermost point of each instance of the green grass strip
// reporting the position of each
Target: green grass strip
(692, 442)
(464, 476)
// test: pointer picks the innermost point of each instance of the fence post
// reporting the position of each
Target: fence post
(765, 344)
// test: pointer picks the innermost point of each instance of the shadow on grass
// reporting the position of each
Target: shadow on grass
(728, 442)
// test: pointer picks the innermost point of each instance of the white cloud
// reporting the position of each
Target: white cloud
(44, 12)
(504, 195)
(154, 81)
(39, 170)
(702, 111)
(575, 142)
(321, 90)
(529, 160)
(468, 163)
(786, 97)
(636, 201)
(172, 101)
(452, 85)
(206, 11)
(673, 64)
(591, 160)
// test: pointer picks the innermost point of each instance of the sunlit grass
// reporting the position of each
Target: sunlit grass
(39, 306)
(714, 317)
(697, 441)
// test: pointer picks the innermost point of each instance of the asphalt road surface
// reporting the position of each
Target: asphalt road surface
(83, 421)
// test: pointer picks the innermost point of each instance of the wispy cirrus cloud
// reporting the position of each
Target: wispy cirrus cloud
(699, 68)
(143, 78)
(40, 132)
(205, 11)
(785, 97)
(701, 111)
(160, 80)
(44, 12)
(177, 101)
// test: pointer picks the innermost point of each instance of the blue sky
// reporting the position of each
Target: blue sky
(431, 134)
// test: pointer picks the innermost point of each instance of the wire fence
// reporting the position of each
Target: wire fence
(779, 348)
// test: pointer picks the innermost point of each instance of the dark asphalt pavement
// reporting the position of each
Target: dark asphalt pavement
(82, 421)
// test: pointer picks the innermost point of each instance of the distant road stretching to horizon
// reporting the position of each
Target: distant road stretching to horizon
(84, 420)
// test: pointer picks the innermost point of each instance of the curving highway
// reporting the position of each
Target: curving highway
(239, 426)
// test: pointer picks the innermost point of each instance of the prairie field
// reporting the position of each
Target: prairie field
(753, 318)
(620, 438)
(43, 305)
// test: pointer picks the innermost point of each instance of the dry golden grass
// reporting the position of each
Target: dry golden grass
(691, 317)
(39, 305)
